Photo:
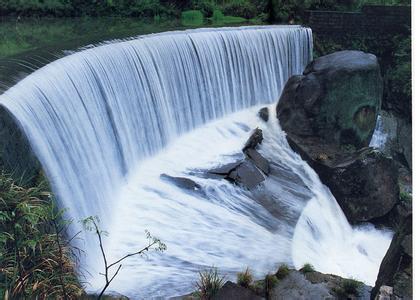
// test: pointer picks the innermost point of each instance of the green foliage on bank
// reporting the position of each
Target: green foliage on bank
(36, 261)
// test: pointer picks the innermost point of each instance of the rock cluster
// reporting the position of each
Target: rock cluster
(249, 171)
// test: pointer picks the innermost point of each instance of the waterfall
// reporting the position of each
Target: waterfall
(107, 121)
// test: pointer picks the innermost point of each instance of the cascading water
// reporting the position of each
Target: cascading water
(108, 121)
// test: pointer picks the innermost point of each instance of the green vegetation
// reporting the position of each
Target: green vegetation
(405, 196)
(351, 286)
(245, 279)
(192, 18)
(209, 283)
(270, 283)
(348, 287)
(282, 272)
(307, 268)
(36, 258)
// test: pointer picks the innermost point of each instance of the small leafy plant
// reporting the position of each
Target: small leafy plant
(307, 268)
(209, 283)
(282, 272)
(245, 278)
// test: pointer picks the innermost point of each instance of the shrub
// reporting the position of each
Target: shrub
(282, 272)
(36, 259)
(192, 18)
(240, 8)
(351, 286)
(209, 283)
(245, 278)
(307, 268)
(270, 283)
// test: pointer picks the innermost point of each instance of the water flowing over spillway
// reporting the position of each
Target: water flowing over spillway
(106, 122)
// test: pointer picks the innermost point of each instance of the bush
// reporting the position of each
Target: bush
(36, 260)
(210, 282)
(351, 286)
(192, 18)
(206, 7)
(282, 272)
(307, 268)
(240, 8)
(245, 278)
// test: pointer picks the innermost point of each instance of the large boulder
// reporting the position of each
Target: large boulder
(396, 269)
(337, 98)
(329, 114)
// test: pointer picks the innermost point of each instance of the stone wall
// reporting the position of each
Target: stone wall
(373, 19)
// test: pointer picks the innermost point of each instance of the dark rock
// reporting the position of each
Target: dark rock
(366, 186)
(364, 182)
(336, 99)
(329, 114)
(263, 113)
(255, 139)
(16, 156)
(181, 182)
(246, 174)
(260, 161)
(225, 169)
(231, 291)
(396, 269)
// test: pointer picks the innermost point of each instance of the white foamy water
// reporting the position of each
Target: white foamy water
(107, 121)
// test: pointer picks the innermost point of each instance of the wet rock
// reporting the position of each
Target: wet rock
(337, 99)
(254, 140)
(224, 170)
(16, 155)
(396, 269)
(231, 291)
(398, 141)
(364, 182)
(329, 114)
(263, 113)
(260, 161)
(182, 182)
(247, 175)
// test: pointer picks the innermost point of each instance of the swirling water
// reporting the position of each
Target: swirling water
(106, 122)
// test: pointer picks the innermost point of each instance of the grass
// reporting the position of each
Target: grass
(209, 283)
(37, 261)
(348, 287)
(282, 272)
(245, 279)
(307, 268)
(351, 286)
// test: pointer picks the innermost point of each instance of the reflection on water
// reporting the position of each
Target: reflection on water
(28, 44)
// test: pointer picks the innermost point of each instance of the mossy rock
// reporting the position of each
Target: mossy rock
(337, 98)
